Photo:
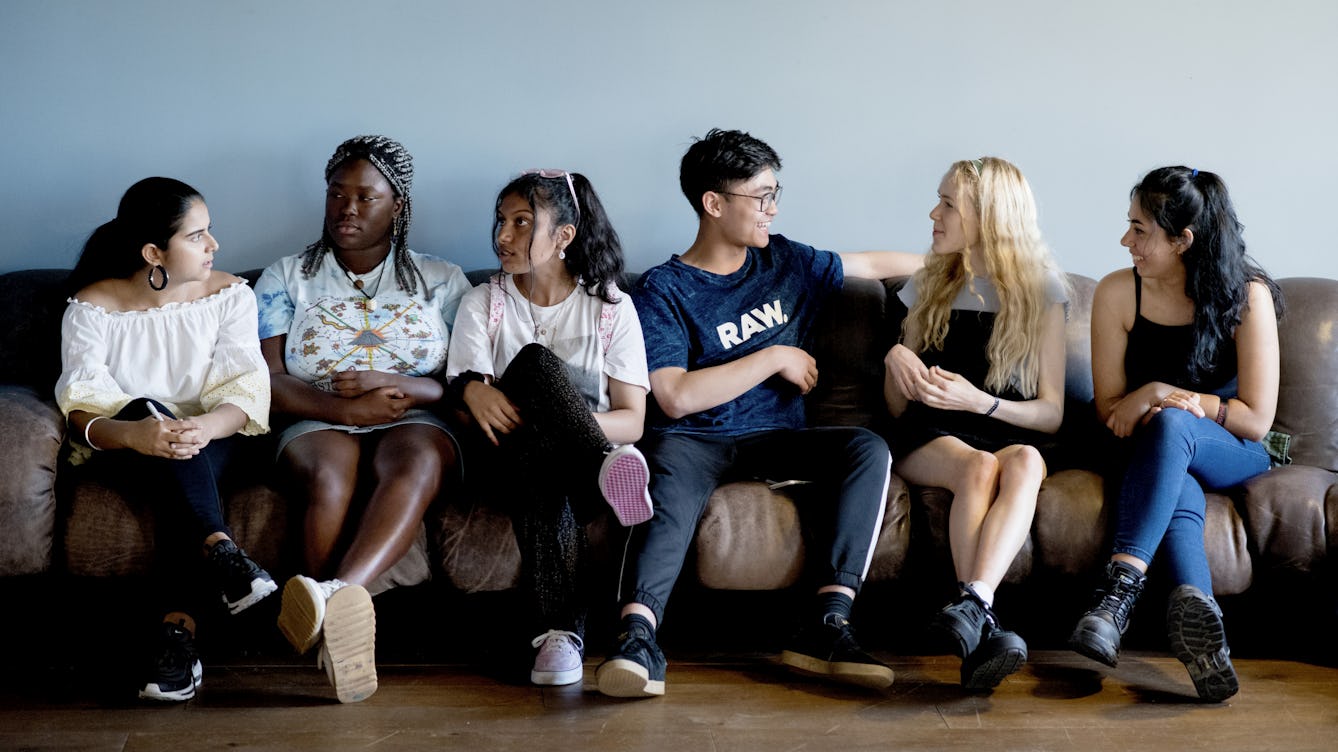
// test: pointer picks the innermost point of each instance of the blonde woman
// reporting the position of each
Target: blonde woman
(976, 383)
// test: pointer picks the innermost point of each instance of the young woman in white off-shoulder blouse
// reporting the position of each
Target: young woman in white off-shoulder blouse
(161, 365)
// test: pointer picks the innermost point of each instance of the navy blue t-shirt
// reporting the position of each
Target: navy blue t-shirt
(694, 319)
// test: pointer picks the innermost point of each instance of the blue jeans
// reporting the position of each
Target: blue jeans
(851, 463)
(1161, 506)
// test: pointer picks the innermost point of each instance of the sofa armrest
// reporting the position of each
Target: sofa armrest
(30, 444)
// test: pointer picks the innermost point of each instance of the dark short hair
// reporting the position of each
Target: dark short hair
(722, 158)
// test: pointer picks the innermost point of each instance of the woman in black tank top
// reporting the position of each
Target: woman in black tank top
(977, 385)
(1185, 367)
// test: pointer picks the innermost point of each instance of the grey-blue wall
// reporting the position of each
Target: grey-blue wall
(867, 102)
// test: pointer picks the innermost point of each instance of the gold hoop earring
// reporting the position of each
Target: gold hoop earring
(157, 268)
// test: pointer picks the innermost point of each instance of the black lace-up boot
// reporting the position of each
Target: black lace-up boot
(1097, 635)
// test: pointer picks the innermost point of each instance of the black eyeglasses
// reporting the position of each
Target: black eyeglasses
(764, 202)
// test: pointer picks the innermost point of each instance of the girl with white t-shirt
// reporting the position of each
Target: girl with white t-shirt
(548, 360)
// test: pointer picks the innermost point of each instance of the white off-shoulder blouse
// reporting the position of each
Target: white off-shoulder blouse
(192, 357)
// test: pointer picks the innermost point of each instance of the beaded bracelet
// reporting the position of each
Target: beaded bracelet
(89, 425)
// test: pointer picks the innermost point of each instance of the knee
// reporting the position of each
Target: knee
(1169, 426)
(417, 464)
(980, 472)
(1022, 465)
(866, 446)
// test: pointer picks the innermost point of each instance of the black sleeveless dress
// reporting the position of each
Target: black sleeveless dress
(963, 353)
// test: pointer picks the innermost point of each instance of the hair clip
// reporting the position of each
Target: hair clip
(1194, 173)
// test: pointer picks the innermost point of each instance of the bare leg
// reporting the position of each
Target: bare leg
(324, 469)
(994, 501)
(409, 463)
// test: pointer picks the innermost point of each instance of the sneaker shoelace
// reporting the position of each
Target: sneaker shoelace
(328, 587)
(558, 634)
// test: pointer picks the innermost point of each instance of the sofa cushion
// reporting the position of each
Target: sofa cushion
(1308, 389)
(30, 445)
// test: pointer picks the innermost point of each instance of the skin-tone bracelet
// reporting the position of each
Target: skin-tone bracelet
(88, 440)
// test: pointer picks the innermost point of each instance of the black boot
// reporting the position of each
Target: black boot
(999, 653)
(1097, 635)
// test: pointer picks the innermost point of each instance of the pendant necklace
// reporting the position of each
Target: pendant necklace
(358, 283)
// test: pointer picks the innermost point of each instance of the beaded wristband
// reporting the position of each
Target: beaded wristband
(89, 425)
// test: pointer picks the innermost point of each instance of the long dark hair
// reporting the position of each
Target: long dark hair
(1217, 269)
(595, 255)
(151, 211)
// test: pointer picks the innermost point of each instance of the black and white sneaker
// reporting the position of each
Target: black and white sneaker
(829, 650)
(242, 581)
(636, 667)
(176, 671)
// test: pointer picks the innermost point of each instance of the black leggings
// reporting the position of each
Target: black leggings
(187, 508)
(544, 474)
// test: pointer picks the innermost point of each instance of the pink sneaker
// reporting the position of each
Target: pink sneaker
(559, 660)
(623, 480)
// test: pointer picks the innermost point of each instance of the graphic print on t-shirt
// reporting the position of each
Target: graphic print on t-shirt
(338, 335)
(751, 322)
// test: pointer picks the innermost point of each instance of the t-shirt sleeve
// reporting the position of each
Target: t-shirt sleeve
(1057, 290)
(274, 303)
(238, 374)
(470, 348)
(625, 359)
(451, 293)
(664, 332)
(826, 273)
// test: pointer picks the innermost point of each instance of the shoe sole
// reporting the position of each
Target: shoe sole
(620, 677)
(1089, 643)
(350, 642)
(994, 669)
(859, 674)
(558, 678)
(152, 692)
(260, 589)
(302, 613)
(622, 480)
(1198, 640)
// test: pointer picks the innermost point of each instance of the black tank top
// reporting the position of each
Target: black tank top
(1157, 352)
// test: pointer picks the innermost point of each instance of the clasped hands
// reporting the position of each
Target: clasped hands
(935, 387)
(374, 397)
(1135, 409)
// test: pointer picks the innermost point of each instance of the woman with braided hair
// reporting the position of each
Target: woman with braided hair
(355, 331)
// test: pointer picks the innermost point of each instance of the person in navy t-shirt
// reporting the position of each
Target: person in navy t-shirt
(726, 325)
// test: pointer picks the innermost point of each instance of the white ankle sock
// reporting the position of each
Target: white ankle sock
(983, 590)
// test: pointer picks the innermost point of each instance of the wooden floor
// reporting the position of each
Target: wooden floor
(1057, 702)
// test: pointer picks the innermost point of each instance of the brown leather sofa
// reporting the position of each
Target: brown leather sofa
(51, 521)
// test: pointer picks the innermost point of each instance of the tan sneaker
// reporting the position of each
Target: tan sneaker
(348, 652)
(303, 611)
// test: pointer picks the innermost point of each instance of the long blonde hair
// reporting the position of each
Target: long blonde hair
(1016, 258)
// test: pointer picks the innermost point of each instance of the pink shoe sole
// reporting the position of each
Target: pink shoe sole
(622, 479)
